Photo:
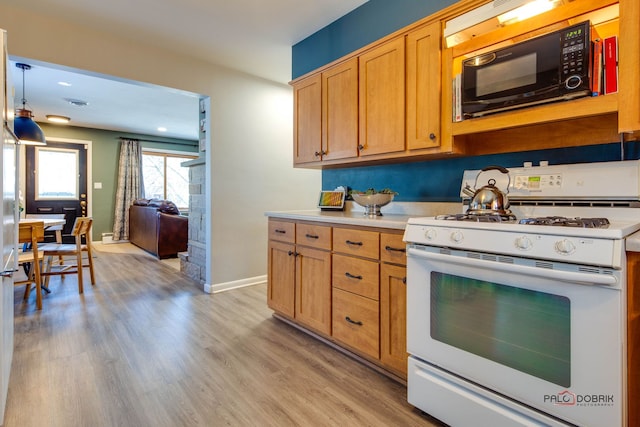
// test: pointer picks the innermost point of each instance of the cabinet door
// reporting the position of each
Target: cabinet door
(423, 87)
(340, 111)
(382, 99)
(629, 54)
(307, 119)
(281, 278)
(313, 289)
(393, 317)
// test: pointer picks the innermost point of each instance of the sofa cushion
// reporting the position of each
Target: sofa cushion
(165, 206)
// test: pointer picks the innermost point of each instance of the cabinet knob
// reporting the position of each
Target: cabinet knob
(432, 136)
(317, 154)
(360, 147)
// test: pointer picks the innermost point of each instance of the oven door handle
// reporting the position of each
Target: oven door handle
(565, 276)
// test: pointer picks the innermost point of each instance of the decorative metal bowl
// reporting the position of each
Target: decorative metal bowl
(372, 202)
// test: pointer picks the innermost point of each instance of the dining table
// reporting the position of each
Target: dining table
(48, 224)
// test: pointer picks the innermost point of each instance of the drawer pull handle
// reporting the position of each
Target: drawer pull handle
(281, 231)
(353, 322)
(312, 236)
(351, 276)
(390, 248)
(349, 242)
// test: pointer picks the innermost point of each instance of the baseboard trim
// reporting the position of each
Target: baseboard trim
(227, 286)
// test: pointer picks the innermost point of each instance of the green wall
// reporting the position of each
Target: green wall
(105, 146)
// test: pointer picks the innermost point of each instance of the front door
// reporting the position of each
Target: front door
(56, 181)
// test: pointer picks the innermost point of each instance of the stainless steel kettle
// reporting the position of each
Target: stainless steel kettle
(488, 199)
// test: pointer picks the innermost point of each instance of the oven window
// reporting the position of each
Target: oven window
(526, 330)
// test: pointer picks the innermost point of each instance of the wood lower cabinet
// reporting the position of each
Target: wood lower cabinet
(346, 284)
(313, 288)
(281, 267)
(393, 317)
(281, 281)
(355, 322)
(299, 273)
(633, 338)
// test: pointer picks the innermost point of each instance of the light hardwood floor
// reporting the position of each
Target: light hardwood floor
(146, 347)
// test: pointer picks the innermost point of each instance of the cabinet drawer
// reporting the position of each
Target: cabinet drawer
(356, 242)
(355, 322)
(356, 275)
(316, 236)
(392, 248)
(282, 231)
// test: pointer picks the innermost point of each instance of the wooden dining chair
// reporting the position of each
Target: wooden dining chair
(81, 230)
(30, 233)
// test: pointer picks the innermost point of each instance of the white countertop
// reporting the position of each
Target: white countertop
(394, 216)
(632, 242)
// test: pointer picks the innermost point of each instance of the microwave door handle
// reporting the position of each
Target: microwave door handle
(564, 276)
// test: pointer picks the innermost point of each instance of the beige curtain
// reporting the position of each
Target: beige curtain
(130, 185)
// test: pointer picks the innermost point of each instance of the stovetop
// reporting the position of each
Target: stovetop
(578, 213)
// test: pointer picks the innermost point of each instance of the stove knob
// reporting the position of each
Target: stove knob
(565, 247)
(430, 234)
(456, 236)
(524, 243)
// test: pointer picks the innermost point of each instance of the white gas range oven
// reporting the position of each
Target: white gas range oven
(521, 319)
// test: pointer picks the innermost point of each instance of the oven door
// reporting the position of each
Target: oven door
(548, 335)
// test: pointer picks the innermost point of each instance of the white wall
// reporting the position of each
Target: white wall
(250, 154)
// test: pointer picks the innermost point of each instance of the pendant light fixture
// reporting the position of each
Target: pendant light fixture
(27, 131)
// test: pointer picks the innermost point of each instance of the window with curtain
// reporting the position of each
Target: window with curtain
(165, 178)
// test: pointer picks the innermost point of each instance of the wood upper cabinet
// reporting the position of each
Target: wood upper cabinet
(423, 87)
(307, 119)
(340, 111)
(382, 99)
(628, 66)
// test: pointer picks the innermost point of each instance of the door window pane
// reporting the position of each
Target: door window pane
(526, 330)
(57, 173)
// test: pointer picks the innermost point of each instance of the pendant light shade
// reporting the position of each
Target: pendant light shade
(27, 131)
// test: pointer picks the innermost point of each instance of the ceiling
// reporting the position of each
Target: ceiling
(253, 36)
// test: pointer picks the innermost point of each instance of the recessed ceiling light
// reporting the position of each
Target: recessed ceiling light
(162, 129)
(58, 119)
(65, 84)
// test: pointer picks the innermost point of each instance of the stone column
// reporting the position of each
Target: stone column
(193, 263)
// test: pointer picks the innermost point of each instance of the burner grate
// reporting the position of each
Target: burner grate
(494, 217)
(561, 221)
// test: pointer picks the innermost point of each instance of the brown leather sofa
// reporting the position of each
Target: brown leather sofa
(159, 233)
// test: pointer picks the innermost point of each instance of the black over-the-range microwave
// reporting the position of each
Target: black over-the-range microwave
(551, 67)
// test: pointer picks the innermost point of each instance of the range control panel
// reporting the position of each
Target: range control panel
(579, 181)
(537, 182)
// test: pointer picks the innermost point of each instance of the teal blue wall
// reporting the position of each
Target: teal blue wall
(366, 24)
(434, 180)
